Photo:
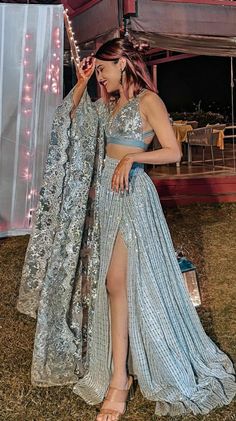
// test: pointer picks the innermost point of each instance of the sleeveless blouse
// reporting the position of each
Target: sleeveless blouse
(126, 127)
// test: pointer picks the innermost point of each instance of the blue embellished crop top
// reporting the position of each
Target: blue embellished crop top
(126, 127)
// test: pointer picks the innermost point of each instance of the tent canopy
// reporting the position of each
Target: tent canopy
(185, 18)
(194, 26)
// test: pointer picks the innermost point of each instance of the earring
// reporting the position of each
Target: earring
(121, 76)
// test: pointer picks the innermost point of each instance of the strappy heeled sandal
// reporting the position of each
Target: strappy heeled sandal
(118, 395)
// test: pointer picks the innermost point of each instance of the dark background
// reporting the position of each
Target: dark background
(182, 84)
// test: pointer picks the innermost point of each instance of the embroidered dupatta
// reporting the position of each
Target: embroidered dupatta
(59, 276)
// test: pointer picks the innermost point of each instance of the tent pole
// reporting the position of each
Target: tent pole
(154, 74)
(232, 105)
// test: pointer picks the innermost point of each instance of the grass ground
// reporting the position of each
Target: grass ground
(207, 234)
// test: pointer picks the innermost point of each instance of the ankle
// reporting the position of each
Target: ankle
(119, 379)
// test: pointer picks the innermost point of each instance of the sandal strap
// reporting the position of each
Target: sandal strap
(118, 395)
(107, 411)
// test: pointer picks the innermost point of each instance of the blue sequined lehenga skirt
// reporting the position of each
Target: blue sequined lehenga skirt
(176, 363)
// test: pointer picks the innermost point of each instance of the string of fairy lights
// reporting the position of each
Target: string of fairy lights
(74, 48)
(27, 102)
(50, 85)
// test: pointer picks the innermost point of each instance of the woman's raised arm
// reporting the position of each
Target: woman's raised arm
(84, 71)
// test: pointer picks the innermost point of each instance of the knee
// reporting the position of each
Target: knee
(115, 285)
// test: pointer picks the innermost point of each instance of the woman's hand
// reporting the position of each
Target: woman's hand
(120, 178)
(85, 69)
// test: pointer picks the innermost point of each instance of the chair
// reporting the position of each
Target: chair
(231, 135)
(203, 137)
(217, 126)
(193, 123)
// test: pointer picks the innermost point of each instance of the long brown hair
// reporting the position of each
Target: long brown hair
(136, 69)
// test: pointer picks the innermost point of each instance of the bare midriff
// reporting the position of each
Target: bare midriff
(119, 151)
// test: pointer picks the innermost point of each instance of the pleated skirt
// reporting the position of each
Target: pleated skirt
(175, 362)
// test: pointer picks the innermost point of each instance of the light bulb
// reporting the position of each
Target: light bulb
(28, 99)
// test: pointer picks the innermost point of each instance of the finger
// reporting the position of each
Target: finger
(113, 181)
(89, 69)
(127, 181)
(121, 182)
(93, 63)
(80, 67)
(122, 179)
(82, 63)
(87, 63)
(117, 183)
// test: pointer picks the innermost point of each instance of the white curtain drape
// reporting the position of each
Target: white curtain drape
(31, 81)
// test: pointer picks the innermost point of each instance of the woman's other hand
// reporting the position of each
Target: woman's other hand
(120, 178)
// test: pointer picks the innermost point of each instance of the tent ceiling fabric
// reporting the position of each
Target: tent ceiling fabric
(193, 44)
(76, 4)
(184, 27)
(100, 19)
(185, 18)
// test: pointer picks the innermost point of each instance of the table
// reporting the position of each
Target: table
(181, 131)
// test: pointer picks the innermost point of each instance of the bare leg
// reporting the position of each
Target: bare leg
(117, 290)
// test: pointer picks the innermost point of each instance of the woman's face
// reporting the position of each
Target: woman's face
(108, 74)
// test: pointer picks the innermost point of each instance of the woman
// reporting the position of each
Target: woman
(100, 269)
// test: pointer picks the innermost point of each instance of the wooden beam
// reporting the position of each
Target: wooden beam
(170, 58)
(153, 51)
(74, 12)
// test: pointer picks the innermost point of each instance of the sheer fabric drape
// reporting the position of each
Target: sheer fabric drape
(31, 60)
